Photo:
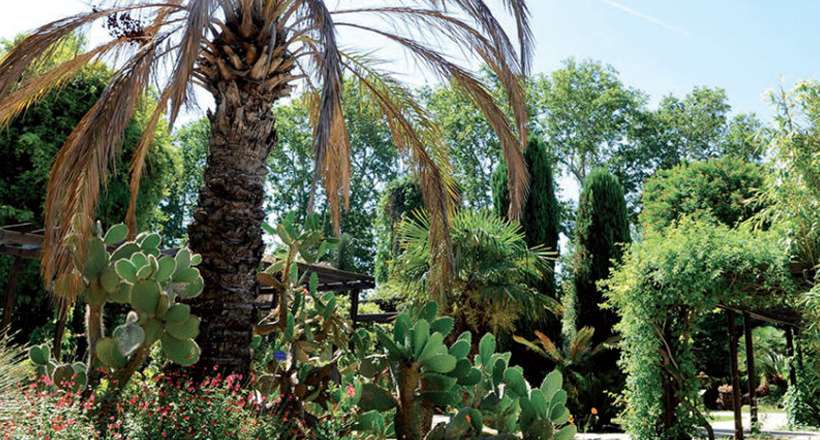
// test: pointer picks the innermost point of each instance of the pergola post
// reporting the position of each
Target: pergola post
(354, 306)
(736, 396)
(750, 368)
(790, 354)
(11, 293)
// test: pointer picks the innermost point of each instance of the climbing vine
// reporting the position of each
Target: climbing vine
(665, 284)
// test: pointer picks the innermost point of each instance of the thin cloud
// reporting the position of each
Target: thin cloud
(645, 17)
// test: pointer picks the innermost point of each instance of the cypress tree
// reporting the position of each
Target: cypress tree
(540, 219)
(400, 198)
(601, 229)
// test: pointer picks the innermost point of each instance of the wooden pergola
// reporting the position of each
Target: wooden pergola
(24, 241)
(787, 319)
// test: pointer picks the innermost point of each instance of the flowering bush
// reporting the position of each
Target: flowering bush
(153, 408)
(41, 411)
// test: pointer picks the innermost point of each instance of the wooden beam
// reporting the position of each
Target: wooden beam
(736, 396)
(11, 293)
(750, 368)
(762, 316)
(377, 317)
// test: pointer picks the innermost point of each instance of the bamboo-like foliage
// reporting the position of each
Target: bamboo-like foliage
(175, 45)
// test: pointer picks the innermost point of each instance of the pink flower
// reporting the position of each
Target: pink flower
(351, 391)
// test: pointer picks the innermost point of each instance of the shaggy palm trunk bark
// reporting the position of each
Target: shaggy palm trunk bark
(226, 228)
(227, 225)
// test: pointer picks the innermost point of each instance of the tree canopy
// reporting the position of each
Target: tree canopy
(722, 189)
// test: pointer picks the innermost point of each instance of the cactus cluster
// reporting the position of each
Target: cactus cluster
(135, 273)
(428, 374)
(307, 333)
(70, 377)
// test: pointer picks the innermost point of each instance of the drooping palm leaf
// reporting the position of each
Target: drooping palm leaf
(177, 44)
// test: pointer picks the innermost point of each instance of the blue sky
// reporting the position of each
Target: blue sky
(659, 46)
(665, 47)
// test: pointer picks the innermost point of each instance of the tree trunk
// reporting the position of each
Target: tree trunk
(227, 223)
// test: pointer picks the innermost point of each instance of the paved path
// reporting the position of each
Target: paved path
(773, 423)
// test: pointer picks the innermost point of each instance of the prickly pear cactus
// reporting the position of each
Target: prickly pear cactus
(135, 273)
(544, 414)
(70, 377)
(484, 391)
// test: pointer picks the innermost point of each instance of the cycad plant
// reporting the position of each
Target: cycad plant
(574, 359)
(492, 270)
(249, 54)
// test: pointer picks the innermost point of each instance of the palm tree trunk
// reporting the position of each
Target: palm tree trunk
(226, 228)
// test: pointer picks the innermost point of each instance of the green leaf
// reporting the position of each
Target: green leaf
(178, 313)
(151, 241)
(551, 384)
(122, 295)
(514, 379)
(145, 296)
(371, 421)
(400, 328)
(421, 331)
(183, 259)
(39, 354)
(539, 404)
(473, 377)
(460, 349)
(97, 258)
(440, 363)
(139, 260)
(126, 250)
(375, 398)
(435, 345)
(187, 329)
(116, 234)
(109, 354)
(167, 267)
(128, 337)
(437, 382)
(126, 270)
(153, 330)
(486, 348)
(559, 399)
(184, 352)
(442, 325)
(428, 312)
(109, 280)
(186, 275)
(194, 288)
(559, 415)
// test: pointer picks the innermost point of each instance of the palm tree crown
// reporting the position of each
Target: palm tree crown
(266, 48)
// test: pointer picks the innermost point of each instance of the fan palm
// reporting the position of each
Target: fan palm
(493, 271)
(249, 54)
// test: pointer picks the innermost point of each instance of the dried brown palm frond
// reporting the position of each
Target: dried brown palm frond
(12, 373)
(511, 143)
(175, 45)
(413, 131)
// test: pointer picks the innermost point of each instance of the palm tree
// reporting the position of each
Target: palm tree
(493, 272)
(248, 54)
